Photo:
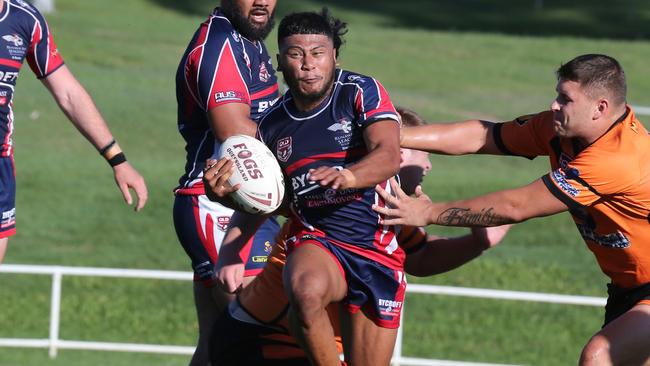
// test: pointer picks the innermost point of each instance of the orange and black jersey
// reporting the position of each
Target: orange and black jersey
(605, 185)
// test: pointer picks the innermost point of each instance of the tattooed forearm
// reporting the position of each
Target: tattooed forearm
(457, 216)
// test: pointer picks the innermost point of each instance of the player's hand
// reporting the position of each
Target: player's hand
(126, 177)
(332, 177)
(489, 237)
(402, 209)
(230, 270)
(215, 179)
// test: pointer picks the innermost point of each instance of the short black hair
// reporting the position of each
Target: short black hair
(314, 23)
(598, 75)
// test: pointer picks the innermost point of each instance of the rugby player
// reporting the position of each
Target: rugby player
(598, 152)
(224, 82)
(26, 35)
(334, 133)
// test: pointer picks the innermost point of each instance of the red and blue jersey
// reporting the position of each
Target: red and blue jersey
(24, 33)
(332, 135)
(219, 66)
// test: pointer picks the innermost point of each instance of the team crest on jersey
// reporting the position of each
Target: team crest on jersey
(343, 124)
(283, 149)
(264, 73)
(13, 38)
(222, 222)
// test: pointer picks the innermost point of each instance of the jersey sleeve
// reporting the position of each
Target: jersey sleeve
(372, 102)
(43, 55)
(591, 176)
(216, 71)
(526, 136)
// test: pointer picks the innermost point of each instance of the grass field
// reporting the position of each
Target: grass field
(449, 60)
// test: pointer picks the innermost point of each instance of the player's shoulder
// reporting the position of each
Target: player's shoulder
(275, 115)
(346, 77)
(21, 9)
(220, 28)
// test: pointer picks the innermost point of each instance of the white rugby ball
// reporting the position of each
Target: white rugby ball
(256, 171)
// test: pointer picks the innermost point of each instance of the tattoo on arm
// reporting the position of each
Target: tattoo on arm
(457, 216)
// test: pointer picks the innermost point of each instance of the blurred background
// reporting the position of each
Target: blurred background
(448, 60)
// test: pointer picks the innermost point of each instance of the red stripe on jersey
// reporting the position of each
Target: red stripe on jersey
(228, 85)
(54, 59)
(207, 237)
(265, 92)
(32, 58)
(10, 63)
(339, 155)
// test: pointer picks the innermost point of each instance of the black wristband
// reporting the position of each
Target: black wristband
(117, 159)
(104, 149)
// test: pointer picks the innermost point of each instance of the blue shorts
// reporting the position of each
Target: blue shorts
(377, 289)
(7, 197)
(201, 226)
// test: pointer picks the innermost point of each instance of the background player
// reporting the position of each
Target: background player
(257, 319)
(26, 35)
(598, 152)
(334, 134)
(225, 80)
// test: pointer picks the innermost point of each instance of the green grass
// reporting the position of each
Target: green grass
(428, 56)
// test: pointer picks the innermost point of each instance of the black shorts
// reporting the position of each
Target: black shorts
(620, 300)
(237, 343)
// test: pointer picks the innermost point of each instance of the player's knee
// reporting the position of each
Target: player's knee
(307, 301)
(596, 352)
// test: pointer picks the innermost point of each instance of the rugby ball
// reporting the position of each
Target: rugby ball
(256, 171)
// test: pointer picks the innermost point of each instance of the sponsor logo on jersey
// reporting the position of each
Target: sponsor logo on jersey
(267, 246)
(283, 149)
(230, 95)
(265, 104)
(389, 307)
(222, 222)
(264, 73)
(559, 177)
(358, 78)
(9, 76)
(343, 124)
(259, 259)
(615, 240)
(13, 38)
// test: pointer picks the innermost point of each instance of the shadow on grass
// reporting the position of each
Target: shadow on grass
(617, 19)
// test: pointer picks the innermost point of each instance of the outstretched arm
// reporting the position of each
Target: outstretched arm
(80, 109)
(457, 138)
(492, 209)
(439, 255)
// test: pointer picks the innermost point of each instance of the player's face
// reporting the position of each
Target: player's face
(573, 110)
(308, 63)
(414, 166)
(252, 18)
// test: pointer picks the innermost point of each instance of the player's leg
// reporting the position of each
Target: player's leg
(7, 203)
(624, 341)
(364, 342)
(3, 247)
(209, 303)
(313, 280)
(200, 226)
